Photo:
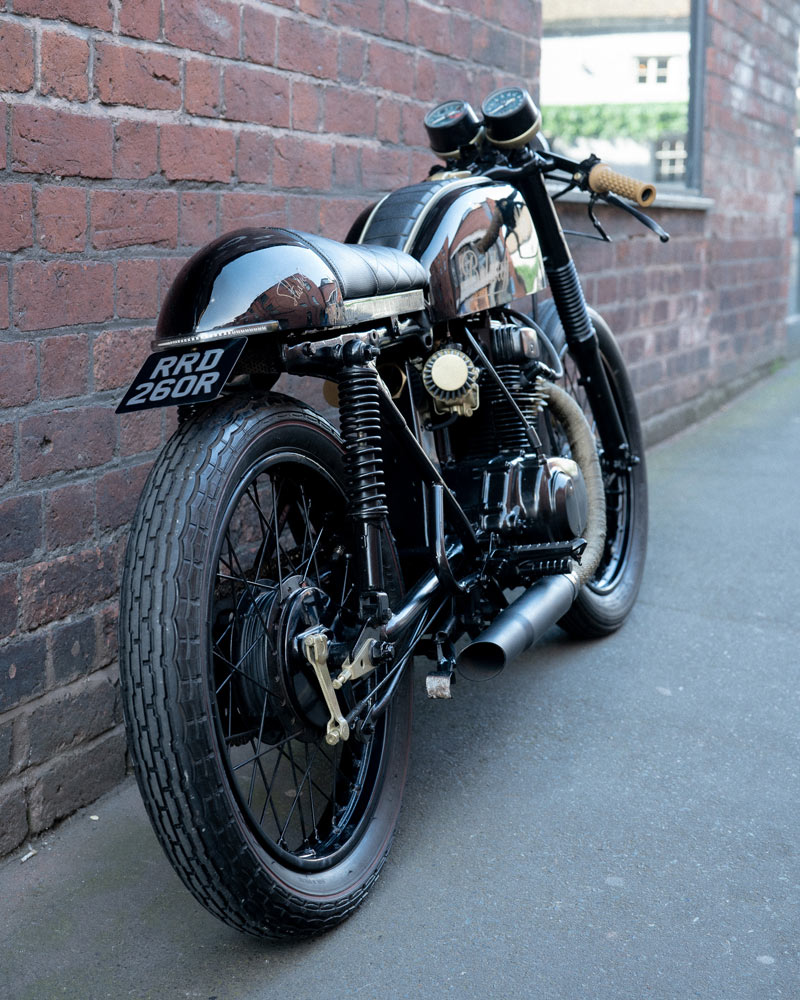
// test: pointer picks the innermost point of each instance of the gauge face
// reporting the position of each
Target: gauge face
(446, 114)
(505, 102)
(450, 126)
(510, 117)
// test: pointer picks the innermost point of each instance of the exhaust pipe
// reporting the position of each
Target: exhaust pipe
(520, 625)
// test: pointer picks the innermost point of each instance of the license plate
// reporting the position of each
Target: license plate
(180, 377)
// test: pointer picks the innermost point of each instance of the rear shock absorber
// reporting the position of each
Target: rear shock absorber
(365, 485)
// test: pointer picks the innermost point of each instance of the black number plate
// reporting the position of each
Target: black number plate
(179, 377)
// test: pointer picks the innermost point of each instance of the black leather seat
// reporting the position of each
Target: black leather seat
(363, 272)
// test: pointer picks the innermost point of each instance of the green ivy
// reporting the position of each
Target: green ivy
(642, 122)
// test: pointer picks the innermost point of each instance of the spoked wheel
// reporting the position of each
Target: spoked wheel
(607, 599)
(241, 544)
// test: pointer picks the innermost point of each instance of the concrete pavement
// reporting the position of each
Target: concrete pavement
(616, 819)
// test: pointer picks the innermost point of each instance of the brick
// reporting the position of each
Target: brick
(67, 584)
(133, 218)
(140, 433)
(202, 90)
(304, 212)
(256, 95)
(69, 515)
(14, 810)
(193, 153)
(16, 57)
(118, 355)
(352, 58)
(76, 779)
(135, 150)
(117, 495)
(144, 79)
(385, 169)
(107, 639)
(9, 601)
(349, 112)
(4, 301)
(307, 48)
(254, 157)
(346, 167)
(94, 15)
(64, 366)
(6, 747)
(365, 13)
(429, 28)
(389, 121)
(75, 717)
(337, 215)
(259, 32)
(395, 20)
(61, 219)
(203, 26)
(16, 227)
(64, 440)
(140, 18)
(22, 670)
(198, 215)
(73, 649)
(302, 163)
(64, 66)
(240, 209)
(47, 141)
(390, 68)
(17, 373)
(62, 293)
(137, 289)
(307, 101)
(20, 527)
(6, 452)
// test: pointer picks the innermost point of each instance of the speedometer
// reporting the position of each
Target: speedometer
(450, 126)
(510, 117)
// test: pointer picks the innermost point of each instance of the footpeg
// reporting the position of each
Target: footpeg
(438, 684)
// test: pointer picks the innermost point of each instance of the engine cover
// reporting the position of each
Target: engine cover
(533, 502)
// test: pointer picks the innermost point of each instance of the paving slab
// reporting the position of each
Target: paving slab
(615, 819)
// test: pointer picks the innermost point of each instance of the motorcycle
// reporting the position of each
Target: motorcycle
(281, 573)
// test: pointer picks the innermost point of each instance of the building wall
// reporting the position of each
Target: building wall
(134, 132)
(138, 130)
(705, 312)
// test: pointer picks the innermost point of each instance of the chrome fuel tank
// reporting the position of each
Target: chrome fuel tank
(475, 237)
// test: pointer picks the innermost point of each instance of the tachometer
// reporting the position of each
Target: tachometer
(510, 117)
(450, 126)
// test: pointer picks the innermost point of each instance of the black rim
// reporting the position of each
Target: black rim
(619, 491)
(283, 564)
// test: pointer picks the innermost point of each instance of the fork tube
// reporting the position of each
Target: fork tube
(571, 305)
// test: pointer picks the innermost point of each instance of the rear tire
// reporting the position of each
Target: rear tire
(240, 541)
(608, 598)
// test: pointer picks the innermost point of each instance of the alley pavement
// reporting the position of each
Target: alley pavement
(612, 819)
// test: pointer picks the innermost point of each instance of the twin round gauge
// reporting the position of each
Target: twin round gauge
(510, 120)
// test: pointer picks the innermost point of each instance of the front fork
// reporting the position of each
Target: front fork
(578, 328)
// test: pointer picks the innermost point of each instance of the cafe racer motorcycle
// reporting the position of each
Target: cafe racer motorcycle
(486, 480)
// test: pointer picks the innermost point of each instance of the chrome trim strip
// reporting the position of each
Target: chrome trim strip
(381, 306)
(355, 311)
(222, 333)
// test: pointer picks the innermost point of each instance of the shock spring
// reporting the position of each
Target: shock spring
(359, 413)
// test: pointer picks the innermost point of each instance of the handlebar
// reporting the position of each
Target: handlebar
(602, 179)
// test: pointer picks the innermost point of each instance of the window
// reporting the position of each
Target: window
(619, 79)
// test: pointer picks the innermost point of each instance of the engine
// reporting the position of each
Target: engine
(513, 494)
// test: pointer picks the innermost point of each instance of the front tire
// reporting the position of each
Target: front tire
(241, 541)
(608, 598)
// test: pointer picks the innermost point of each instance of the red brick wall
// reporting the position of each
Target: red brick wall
(134, 132)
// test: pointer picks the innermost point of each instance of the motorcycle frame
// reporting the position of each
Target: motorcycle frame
(360, 349)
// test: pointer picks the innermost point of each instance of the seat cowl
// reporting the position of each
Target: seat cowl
(267, 280)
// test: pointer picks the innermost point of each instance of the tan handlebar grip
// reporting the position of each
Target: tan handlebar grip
(603, 179)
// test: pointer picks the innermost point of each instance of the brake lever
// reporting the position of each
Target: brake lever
(645, 220)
